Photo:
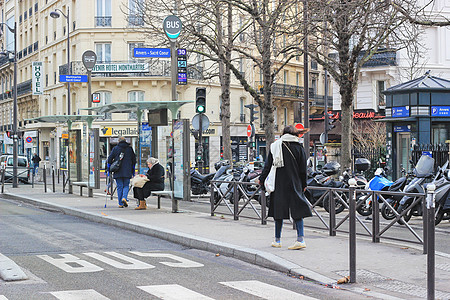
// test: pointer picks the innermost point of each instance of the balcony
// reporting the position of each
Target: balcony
(294, 91)
(103, 21)
(384, 57)
(24, 88)
(134, 20)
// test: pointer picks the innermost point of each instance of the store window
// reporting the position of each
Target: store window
(440, 133)
(135, 96)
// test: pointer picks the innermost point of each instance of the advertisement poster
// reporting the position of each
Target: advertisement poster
(91, 158)
(178, 158)
(146, 146)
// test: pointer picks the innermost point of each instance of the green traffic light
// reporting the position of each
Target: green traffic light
(200, 109)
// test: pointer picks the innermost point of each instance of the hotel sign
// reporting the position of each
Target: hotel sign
(37, 70)
(121, 68)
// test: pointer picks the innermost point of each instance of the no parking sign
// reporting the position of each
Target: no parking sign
(29, 139)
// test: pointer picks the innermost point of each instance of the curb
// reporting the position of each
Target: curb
(256, 257)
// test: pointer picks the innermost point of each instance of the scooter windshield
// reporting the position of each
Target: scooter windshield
(424, 166)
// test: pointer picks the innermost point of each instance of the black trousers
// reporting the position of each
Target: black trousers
(140, 194)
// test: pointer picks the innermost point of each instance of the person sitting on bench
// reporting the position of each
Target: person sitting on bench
(155, 175)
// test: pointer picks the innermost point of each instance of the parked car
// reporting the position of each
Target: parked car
(23, 167)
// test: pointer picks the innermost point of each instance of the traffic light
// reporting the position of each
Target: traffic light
(252, 112)
(200, 100)
(331, 120)
(8, 134)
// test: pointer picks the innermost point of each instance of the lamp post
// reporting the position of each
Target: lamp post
(55, 14)
(15, 150)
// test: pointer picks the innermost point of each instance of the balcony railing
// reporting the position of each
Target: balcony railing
(134, 20)
(384, 57)
(103, 21)
(24, 88)
(294, 91)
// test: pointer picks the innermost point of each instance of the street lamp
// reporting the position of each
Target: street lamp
(55, 14)
(15, 150)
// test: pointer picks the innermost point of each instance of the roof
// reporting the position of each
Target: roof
(424, 83)
(65, 118)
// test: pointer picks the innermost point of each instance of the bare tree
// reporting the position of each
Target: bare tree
(354, 31)
(368, 134)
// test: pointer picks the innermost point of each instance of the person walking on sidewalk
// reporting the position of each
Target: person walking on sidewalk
(289, 159)
(35, 159)
(126, 171)
(155, 175)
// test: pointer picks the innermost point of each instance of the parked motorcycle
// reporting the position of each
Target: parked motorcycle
(378, 183)
(422, 172)
(200, 184)
(442, 194)
(324, 179)
(394, 201)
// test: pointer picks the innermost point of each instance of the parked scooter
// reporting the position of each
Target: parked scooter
(422, 172)
(378, 183)
(394, 201)
(324, 179)
(442, 194)
(200, 184)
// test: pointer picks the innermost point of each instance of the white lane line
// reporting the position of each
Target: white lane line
(3, 297)
(173, 292)
(79, 295)
(264, 290)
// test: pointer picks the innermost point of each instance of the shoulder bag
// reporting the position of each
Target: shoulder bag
(115, 166)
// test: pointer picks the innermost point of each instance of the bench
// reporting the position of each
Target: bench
(161, 194)
(83, 184)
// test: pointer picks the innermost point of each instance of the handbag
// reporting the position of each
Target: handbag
(115, 166)
(269, 183)
(139, 181)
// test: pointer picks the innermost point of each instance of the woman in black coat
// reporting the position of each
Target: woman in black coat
(288, 199)
(155, 175)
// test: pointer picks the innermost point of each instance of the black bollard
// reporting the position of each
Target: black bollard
(53, 180)
(44, 172)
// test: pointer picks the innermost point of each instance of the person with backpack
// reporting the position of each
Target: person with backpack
(126, 170)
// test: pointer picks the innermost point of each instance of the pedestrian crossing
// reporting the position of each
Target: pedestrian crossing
(179, 292)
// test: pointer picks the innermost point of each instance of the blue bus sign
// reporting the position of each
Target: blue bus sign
(73, 78)
(152, 52)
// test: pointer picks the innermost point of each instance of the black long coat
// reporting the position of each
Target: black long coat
(128, 161)
(290, 182)
(156, 183)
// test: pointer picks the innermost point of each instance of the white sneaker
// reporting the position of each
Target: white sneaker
(276, 244)
(297, 245)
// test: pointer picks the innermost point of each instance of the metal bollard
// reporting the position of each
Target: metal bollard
(64, 181)
(430, 242)
(211, 198)
(3, 179)
(332, 210)
(53, 180)
(58, 174)
(32, 180)
(44, 172)
(352, 229)
(236, 200)
(375, 218)
(263, 207)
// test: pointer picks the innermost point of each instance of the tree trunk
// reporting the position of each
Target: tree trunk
(347, 126)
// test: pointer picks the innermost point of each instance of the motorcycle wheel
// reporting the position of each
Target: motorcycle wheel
(406, 216)
(386, 212)
(339, 206)
(364, 211)
(438, 215)
(216, 198)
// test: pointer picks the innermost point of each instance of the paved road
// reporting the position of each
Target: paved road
(69, 258)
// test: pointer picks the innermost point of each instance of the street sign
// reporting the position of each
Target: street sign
(29, 139)
(89, 59)
(182, 66)
(196, 122)
(299, 126)
(250, 130)
(152, 52)
(73, 78)
(96, 97)
(172, 27)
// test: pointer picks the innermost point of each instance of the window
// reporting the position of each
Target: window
(103, 51)
(285, 77)
(135, 17)
(9, 34)
(298, 76)
(285, 116)
(241, 108)
(105, 98)
(103, 17)
(135, 96)
(380, 96)
(131, 47)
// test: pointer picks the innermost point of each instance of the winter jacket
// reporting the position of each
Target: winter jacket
(128, 162)
(290, 181)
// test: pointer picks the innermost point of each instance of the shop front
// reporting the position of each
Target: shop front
(417, 113)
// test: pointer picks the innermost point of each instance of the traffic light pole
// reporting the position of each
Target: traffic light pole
(200, 145)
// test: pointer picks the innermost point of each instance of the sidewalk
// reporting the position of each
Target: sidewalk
(385, 270)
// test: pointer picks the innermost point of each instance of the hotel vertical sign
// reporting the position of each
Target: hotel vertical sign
(37, 72)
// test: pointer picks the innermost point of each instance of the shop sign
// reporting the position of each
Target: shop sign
(111, 131)
(400, 111)
(403, 128)
(121, 68)
(440, 111)
(37, 70)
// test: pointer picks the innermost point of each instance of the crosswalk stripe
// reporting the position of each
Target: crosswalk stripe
(173, 292)
(79, 295)
(3, 297)
(264, 290)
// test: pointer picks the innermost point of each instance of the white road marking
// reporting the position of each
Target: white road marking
(133, 264)
(79, 295)
(3, 297)
(173, 292)
(180, 261)
(66, 263)
(264, 290)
